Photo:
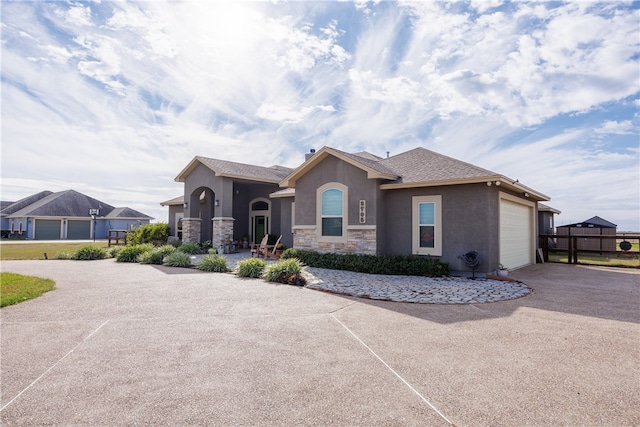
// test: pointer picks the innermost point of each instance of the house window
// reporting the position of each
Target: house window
(427, 225)
(13, 227)
(332, 212)
(20, 227)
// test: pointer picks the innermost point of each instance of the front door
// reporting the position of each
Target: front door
(259, 227)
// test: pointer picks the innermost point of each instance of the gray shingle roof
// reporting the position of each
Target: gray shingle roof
(175, 201)
(23, 203)
(68, 203)
(422, 165)
(122, 213)
(241, 170)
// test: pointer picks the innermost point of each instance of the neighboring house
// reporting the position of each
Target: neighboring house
(418, 202)
(66, 215)
(594, 226)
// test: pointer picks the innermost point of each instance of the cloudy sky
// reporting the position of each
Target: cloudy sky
(113, 99)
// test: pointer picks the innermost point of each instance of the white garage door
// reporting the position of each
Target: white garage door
(516, 234)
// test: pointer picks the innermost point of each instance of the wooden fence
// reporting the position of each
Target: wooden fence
(572, 245)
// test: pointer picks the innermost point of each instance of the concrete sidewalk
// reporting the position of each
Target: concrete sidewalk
(121, 344)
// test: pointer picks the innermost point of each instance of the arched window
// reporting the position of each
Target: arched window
(332, 212)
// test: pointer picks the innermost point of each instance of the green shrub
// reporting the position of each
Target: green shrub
(177, 259)
(213, 251)
(387, 264)
(215, 263)
(131, 253)
(114, 251)
(192, 248)
(250, 267)
(156, 255)
(64, 255)
(156, 234)
(284, 271)
(90, 253)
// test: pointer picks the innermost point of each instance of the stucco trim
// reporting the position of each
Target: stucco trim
(362, 227)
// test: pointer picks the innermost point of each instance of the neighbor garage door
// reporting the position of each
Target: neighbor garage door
(79, 230)
(516, 234)
(47, 229)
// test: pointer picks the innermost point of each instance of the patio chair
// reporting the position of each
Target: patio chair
(271, 253)
(261, 249)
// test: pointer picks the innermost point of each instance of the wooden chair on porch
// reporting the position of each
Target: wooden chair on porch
(260, 249)
(271, 253)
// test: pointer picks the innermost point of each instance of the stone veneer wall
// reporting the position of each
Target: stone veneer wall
(222, 231)
(191, 229)
(359, 241)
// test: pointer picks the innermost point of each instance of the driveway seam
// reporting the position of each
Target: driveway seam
(53, 366)
(424, 399)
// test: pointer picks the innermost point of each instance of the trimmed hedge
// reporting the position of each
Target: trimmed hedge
(385, 264)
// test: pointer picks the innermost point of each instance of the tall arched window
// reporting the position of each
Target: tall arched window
(332, 210)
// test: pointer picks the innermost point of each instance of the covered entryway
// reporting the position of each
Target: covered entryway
(47, 229)
(78, 230)
(516, 232)
(260, 217)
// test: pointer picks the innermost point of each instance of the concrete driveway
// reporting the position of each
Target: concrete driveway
(124, 344)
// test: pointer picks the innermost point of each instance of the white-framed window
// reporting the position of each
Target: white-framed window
(20, 227)
(332, 211)
(426, 226)
(13, 227)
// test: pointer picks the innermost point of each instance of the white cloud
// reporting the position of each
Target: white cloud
(624, 127)
(117, 99)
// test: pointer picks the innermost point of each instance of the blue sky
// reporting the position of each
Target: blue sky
(113, 99)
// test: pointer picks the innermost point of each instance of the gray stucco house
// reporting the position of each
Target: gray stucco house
(417, 202)
(65, 215)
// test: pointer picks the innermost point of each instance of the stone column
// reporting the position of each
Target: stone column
(222, 231)
(191, 230)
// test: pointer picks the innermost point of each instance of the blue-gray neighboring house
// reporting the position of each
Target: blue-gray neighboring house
(65, 215)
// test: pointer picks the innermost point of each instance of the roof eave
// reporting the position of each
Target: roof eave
(498, 180)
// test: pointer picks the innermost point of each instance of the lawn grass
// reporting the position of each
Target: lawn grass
(607, 260)
(13, 251)
(16, 288)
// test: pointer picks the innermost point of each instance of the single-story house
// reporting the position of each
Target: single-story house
(66, 215)
(594, 226)
(417, 202)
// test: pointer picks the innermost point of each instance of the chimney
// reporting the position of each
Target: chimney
(309, 154)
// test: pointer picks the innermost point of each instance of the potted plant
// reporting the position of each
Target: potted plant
(280, 249)
(502, 271)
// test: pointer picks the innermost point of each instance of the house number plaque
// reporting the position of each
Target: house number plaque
(363, 211)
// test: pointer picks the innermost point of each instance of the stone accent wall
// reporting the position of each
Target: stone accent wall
(359, 241)
(191, 229)
(222, 231)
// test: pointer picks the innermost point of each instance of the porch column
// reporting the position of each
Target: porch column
(191, 230)
(222, 231)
